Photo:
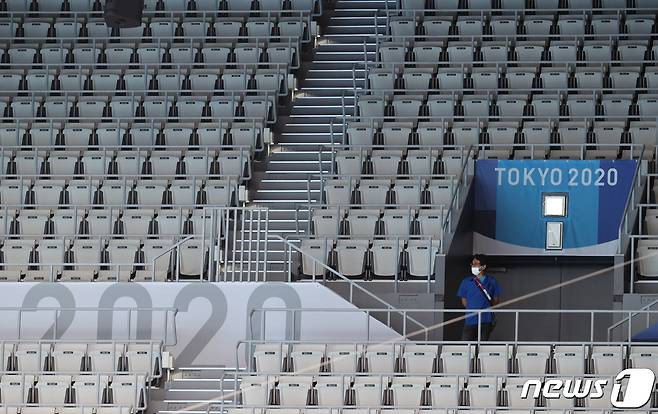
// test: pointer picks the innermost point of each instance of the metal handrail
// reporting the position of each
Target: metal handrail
(629, 318)
(353, 285)
(630, 205)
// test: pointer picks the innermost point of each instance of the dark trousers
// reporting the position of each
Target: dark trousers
(470, 332)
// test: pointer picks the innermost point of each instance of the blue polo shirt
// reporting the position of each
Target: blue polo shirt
(475, 299)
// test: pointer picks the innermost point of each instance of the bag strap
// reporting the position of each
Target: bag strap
(483, 290)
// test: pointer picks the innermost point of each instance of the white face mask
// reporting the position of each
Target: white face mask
(475, 270)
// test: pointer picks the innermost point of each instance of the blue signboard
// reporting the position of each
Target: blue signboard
(508, 202)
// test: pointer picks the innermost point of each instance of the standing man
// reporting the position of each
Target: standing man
(478, 291)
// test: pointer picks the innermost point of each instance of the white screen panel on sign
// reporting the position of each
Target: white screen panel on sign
(554, 235)
(554, 205)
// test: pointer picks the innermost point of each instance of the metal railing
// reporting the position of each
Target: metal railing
(630, 319)
(231, 245)
(163, 329)
(289, 247)
(457, 316)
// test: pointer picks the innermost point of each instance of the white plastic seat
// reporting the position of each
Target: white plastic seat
(68, 357)
(420, 359)
(607, 360)
(86, 257)
(337, 192)
(514, 389)
(157, 253)
(532, 359)
(386, 257)
(445, 391)
(15, 259)
(31, 357)
(307, 358)
(15, 388)
(643, 357)
(351, 256)
(422, 257)
(128, 390)
(407, 391)
(482, 391)
(380, 359)
(50, 252)
(493, 359)
(330, 391)
(368, 391)
(220, 192)
(374, 192)
(569, 360)
(254, 390)
(294, 390)
(318, 250)
(192, 258)
(386, 163)
(431, 222)
(326, 222)
(52, 389)
(31, 223)
(104, 357)
(143, 357)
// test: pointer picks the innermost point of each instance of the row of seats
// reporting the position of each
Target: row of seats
(505, 25)
(421, 410)
(68, 409)
(135, 108)
(160, 164)
(366, 134)
(113, 260)
(506, 133)
(162, 28)
(519, 52)
(390, 162)
(117, 193)
(375, 222)
(124, 390)
(282, 53)
(499, 79)
(70, 357)
(509, 107)
(454, 359)
(163, 5)
(104, 222)
(115, 82)
(58, 135)
(399, 258)
(409, 392)
(435, 191)
(544, 5)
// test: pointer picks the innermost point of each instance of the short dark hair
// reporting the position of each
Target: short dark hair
(480, 258)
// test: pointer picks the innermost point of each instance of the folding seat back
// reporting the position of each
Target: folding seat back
(220, 193)
(420, 359)
(315, 254)
(532, 359)
(294, 390)
(407, 392)
(15, 388)
(386, 257)
(144, 358)
(514, 391)
(643, 357)
(192, 258)
(31, 357)
(397, 223)
(445, 391)
(326, 222)
(368, 391)
(351, 256)
(337, 192)
(422, 257)
(343, 358)
(331, 391)
(431, 222)
(105, 357)
(128, 390)
(427, 53)
(307, 358)
(254, 390)
(32, 223)
(456, 359)
(420, 162)
(493, 359)
(482, 392)
(386, 163)
(158, 257)
(607, 360)
(570, 359)
(270, 358)
(15, 258)
(374, 192)
(52, 389)
(68, 357)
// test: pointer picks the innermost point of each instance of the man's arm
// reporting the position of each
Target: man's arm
(495, 301)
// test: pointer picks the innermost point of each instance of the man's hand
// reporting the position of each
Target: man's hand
(464, 302)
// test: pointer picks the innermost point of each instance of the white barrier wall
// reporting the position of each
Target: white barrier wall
(212, 317)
